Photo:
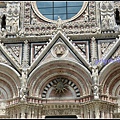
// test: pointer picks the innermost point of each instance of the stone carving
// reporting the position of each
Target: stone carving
(37, 49)
(59, 50)
(59, 22)
(95, 74)
(2, 59)
(14, 27)
(95, 82)
(82, 48)
(93, 50)
(12, 21)
(25, 56)
(3, 33)
(27, 12)
(22, 93)
(23, 90)
(108, 22)
(9, 54)
(92, 11)
(107, 16)
(105, 22)
(73, 30)
(105, 47)
(60, 86)
(29, 15)
(61, 110)
(86, 16)
(15, 50)
(116, 55)
(96, 91)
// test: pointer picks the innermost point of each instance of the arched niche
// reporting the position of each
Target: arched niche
(9, 82)
(109, 78)
(56, 69)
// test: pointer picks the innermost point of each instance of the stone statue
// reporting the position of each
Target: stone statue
(96, 91)
(111, 23)
(96, 82)
(23, 89)
(95, 74)
(59, 22)
(15, 27)
(105, 22)
(22, 93)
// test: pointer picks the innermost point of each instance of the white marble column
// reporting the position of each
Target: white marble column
(32, 113)
(29, 114)
(82, 112)
(22, 114)
(111, 114)
(35, 116)
(102, 114)
(88, 114)
(39, 114)
(13, 113)
(97, 112)
(108, 114)
(85, 113)
(91, 114)
(105, 114)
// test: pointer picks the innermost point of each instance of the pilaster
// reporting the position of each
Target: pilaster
(93, 50)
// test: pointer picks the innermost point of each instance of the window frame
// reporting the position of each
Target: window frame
(37, 12)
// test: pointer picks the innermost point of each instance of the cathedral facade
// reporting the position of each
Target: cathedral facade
(59, 67)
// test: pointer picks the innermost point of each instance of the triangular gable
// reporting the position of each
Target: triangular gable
(111, 54)
(8, 57)
(64, 52)
(51, 43)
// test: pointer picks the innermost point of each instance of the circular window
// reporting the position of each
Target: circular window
(63, 9)
(52, 10)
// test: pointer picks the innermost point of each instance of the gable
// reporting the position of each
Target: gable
(59, 47)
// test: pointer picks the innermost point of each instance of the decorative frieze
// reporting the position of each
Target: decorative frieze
(107, 16)
(116, 55)
(15, 50)
(104, 47)
(12, 17)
